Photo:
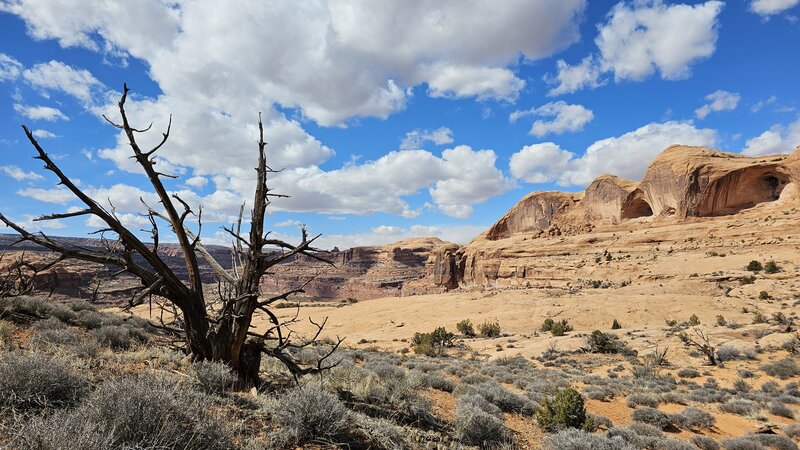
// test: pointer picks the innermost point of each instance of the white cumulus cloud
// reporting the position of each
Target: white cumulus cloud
(766, 8)
(58, 76)
(626, 156)
(414, 139)
(718, 101)
(643, 38)
(778, 139)
(18, 174)
(46, 113)
(565, 117)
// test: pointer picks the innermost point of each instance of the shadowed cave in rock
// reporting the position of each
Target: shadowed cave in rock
(636, 206)
(742, 189)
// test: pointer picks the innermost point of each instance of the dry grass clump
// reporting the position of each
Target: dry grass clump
(144, 412)
(212, 377)
(308, 414)
(35, 380)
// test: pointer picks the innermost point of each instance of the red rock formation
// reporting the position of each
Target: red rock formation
(681, 182)
(364, 272)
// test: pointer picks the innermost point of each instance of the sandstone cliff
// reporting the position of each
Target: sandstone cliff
(682, 183)
(365, 272)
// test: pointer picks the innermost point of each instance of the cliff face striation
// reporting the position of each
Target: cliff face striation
(682, 184)
(365, 272)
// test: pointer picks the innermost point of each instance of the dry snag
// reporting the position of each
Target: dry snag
(218, 329)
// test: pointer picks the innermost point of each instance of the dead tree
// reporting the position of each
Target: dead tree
(219, 329)
(702, 342)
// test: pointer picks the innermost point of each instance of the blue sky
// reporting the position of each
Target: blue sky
(390, 119)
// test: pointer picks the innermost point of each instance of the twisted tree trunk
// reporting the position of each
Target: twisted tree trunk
(220, 331)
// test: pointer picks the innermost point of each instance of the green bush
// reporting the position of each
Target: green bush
(432, 343)
(547, 325)
(764, 295)
(556, 328)
(721, 320)
(615, 325)
(747, 280)
(754, 266)
(565, 410)
(465, 328)
(489, 329)
(694, 320)
(771, 267)
(599, 342)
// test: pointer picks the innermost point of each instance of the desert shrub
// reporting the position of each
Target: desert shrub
(673, 397)
(78, 305)
(740, 407)
(599, 342)
(639, 435)
(759, 442)
(6, 330)
(615, 325)
(601, 393)
(694, 320)
(575, 439)
(91, 319)
(652, 416)
(384, 433)
(770, 387)
(692, 418)
(764, 295)
(704, 442)
(643, 372)
(42, 337)
(499, 396)
(435, 381)
(747, 280)
(754, 266)
(564, 410)
(478, 401)
(721, 320)
(688, 373)
(23, 305)
(556, 328)
(771, 267)
(741, 386)
(465, 328)
(793, 431)
(474, 426)
(779, 409)
(432, 343)
(212, 377)
(728, 352)
(783, 369)
(118, 337)
(759, 317)
(35, 380)
(385, 386)
(309, 413)
(637, 399)
(144, 412)
(489, 329)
